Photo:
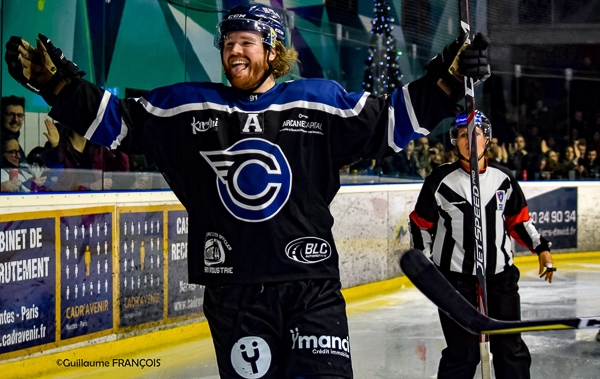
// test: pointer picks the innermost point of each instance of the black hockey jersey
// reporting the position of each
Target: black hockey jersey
(442, 223)
(256, 177)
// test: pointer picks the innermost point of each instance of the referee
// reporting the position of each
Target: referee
(442, 226)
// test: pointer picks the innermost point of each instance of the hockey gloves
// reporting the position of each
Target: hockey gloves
(457, 60)
(40, 69)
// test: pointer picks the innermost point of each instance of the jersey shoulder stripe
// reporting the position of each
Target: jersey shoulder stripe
(312, 94)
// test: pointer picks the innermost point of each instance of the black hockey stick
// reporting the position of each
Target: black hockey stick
(430, 281)
(478, 246)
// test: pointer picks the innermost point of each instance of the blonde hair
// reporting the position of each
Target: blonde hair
(284, 61)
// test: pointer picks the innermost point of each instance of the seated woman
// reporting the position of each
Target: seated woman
(15, 176)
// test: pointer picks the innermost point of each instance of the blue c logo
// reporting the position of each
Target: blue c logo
(253, 178)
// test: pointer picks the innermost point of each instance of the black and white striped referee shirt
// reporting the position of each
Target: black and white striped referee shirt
(442, 223)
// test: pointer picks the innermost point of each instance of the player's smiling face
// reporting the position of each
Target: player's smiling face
(245, 59)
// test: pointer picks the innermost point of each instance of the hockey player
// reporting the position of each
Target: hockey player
(439, 226)
(256, 165)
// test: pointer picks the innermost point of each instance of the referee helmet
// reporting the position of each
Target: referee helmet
(481, 121)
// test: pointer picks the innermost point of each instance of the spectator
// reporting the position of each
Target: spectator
(13, 116)
(497, 153)
(519, 160)
(449, 156)
(69, 150)
(421, 157)
(436, 155)
(568, 163)
(550, 168)
(15, 176)
(580, 148)
(402, 163)
(588, 166)
(36, 161)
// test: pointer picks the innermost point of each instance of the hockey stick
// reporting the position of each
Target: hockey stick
(478, 246)
(430, 281)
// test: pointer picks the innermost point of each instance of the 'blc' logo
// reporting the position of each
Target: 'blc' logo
(253, 178)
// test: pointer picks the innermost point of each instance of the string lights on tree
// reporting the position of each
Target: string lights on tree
(382, 72)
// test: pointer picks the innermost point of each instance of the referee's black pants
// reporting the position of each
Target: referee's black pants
(510, 355)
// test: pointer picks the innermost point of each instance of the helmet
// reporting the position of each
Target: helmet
(259, 18)
(481, 121)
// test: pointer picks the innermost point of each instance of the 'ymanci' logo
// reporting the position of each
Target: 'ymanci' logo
(254, 178)
(321, 344)
(308, 250)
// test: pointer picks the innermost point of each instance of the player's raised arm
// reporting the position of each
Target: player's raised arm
(435, 96)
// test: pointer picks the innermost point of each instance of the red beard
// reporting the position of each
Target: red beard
(249, 77)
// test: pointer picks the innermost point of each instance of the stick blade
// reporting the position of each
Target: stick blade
(430, 281)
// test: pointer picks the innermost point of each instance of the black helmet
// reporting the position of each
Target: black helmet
(255, 17)
(481, 121)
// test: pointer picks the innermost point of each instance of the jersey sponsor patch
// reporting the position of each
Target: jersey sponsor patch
(214, 253)
(321, 344)
(215, 246)
(251, 357)
(500, 199)
(302, 124)
(308, 250)
(202, 126)
(254, 178)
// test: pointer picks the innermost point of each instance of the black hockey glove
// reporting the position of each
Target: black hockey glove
(459, 58)
(473, 61)
(39, 69)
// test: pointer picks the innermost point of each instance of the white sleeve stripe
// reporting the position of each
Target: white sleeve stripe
(345, 113)
(99, 115)
(411, 113)
(391, 124)
(117, 141)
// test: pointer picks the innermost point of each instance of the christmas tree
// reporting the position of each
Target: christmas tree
(382, 74)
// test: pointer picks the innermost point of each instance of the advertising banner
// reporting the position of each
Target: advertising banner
(86, 288)
(141, 263)
(27, 283)
(554, 214)
(184, 298)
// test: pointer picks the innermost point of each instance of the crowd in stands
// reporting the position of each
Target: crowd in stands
(554, 133)
(67, 161)
(532, 152)
(532, 149)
